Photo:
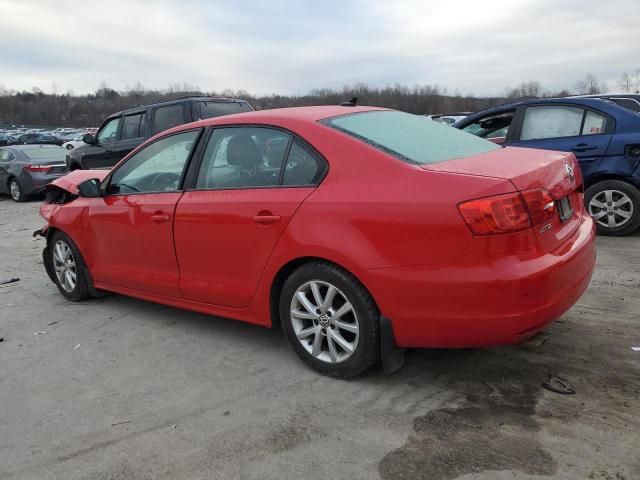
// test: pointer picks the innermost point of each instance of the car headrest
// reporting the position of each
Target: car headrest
(243, 152)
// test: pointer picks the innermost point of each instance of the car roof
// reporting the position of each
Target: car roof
(136, 108)
(604, 105)
(276, 116)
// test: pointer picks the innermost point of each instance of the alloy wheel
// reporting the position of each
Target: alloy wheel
(611, 208)
(14, 189)
(324, 321)
(64, 265)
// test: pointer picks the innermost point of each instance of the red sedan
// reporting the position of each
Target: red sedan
(358, 230)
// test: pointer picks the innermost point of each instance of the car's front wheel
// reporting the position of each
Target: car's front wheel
(615, 207)
(330, 320)
(68, 267)
(15, 190)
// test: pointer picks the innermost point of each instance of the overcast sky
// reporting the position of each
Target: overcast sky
(290, 47)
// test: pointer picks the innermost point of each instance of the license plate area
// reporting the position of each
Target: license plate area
(564, 209)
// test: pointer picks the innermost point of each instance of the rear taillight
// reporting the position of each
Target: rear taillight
(498, 214)
(37, 168)
(541, 205)
(510, 212)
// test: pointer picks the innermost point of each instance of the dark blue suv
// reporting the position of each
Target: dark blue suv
(604, 136)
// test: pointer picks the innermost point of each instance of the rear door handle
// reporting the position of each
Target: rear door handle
(582, 147)
(160, 217)
(264, 219)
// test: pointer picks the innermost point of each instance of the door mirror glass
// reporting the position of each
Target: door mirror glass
(88, 138)
(89, 188)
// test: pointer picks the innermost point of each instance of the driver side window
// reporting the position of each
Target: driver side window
(109, 132)
(158, 167)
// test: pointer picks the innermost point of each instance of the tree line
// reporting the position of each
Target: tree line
(36, 107)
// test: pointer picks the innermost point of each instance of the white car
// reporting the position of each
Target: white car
(73, 143)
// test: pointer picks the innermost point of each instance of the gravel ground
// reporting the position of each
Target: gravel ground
(117, 388)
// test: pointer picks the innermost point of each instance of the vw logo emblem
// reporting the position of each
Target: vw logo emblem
(569, 170)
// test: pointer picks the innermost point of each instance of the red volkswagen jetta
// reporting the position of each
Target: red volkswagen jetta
(358, 230)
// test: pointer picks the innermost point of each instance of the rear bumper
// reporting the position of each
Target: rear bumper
(489, 295)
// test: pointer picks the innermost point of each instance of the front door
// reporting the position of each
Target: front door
(568, 129)
(104, 153)
(244, 197)
(133, 221)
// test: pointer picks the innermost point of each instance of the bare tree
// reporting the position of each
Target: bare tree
(589, 85)
(532, 88)
(625, 82)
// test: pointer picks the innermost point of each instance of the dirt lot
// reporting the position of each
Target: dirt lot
(117, 388)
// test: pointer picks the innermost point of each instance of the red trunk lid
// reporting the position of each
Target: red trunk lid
(527, 168)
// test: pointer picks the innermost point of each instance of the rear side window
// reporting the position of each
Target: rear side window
(168, 117)
(133, 126)
(414, 139)
(303, 167)
(594, 123)
(217, 109)
(551, 122)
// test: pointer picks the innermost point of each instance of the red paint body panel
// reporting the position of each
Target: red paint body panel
(393, 225)
(221, 249)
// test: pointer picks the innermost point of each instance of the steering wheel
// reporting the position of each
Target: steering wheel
(165, 180)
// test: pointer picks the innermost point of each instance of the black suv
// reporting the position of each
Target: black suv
(124, 131)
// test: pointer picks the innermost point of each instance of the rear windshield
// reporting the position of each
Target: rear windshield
(217, 109)
(45, 153)
(414, 139)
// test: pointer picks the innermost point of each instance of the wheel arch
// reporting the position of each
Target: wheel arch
(608, 176)
(287, 269)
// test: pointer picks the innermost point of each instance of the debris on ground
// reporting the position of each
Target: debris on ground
(121, 423)
(558, 384)
(1, 339)
(53, 323)
(635, 349)
(9, 280)
(534, 342)
(76, 347)
(40, 333)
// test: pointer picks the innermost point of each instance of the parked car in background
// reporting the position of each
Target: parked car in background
(626, 100)
(449, 118)
(604, 137)
(73, 142)
(26, 169)
(44, 139)
(124, 131)
(6, 140)
(470, 244)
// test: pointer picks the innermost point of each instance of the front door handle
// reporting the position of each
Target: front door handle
(160, 217)
(582, 147)
(265, 219)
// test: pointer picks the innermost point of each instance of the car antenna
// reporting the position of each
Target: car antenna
(350, 103)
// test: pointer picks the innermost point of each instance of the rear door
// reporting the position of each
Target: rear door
(132, 132)
(567, 128)
(249, 184)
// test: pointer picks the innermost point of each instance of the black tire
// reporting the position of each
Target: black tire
(81, 290)
(15, 190)
(367, 350)
(598, 189)
(69, 147)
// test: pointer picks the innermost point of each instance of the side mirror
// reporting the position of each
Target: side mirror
(88, 138)
(89, 188)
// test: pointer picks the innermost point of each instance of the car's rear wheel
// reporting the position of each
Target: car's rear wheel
(68, 267)
(15, 190)
(330, 320)
(69, 147)
(614, 206)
